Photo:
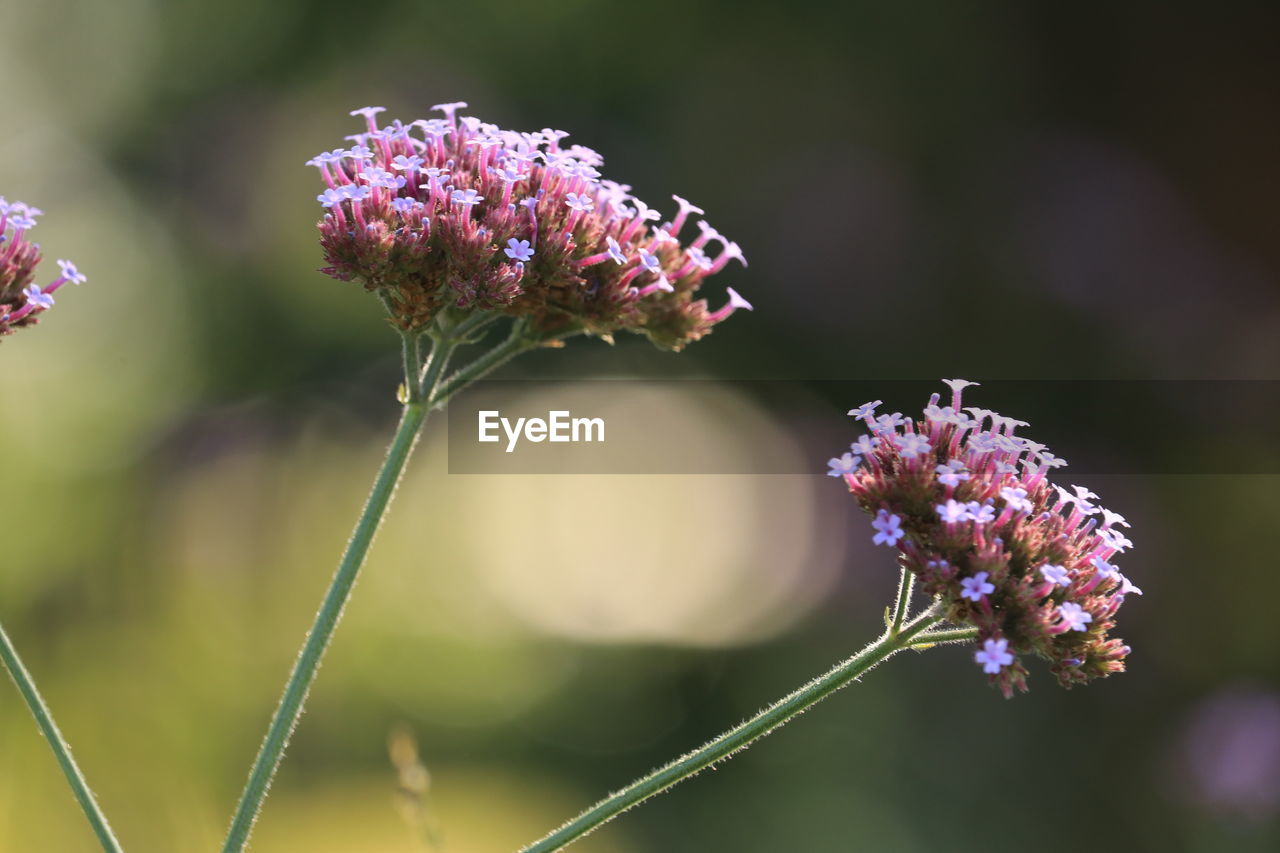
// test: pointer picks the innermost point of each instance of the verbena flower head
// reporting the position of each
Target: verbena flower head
(969, 506)
(454, 211)
(22, 301)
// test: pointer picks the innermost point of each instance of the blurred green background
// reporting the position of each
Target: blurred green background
(999, 190)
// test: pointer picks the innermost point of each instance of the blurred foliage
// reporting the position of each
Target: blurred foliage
(1003, 190)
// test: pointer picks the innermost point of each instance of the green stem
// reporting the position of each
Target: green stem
(736, 738)
(61, 750)
(335, 598)
(935, 638)
(412, 348)
(516, 343)
(906, 581)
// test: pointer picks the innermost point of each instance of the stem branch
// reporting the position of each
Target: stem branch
(515, 344)
(736, 738)
(935, 638)
(906, 581)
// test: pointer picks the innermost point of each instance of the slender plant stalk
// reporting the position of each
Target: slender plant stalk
(61, 750)
(906, 581)
(895, 639)
(412, 365)
(416, 408)
(937, 638)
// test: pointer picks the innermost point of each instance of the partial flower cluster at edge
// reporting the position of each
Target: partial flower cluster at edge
(22, 301)
(969, 506)
(456, 212)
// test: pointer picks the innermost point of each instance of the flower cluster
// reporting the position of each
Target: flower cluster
(456, 211)
(970, 508)
(22, 301)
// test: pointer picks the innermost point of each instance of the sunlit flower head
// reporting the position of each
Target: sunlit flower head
(22, 301)
(455, 212)
(969, 506)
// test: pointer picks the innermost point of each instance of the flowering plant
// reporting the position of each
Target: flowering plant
(1005, 556)
(975, 519)
(456, 212)
(455, 225)
(22, 301)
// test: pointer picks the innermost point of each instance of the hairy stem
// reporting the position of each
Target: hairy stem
(305, 668)
(515, 344)
(61, 750)
(906, 581)
(412, 350)
(736, 738)
(937, 638)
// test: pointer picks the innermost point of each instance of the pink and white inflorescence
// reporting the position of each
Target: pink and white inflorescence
(970, 508)
(454, 211)
(22, 301)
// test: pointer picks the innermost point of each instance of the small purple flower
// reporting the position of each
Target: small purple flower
(1048, 460)
(1115, 539)
(327, 158)
(1111, 519)
(952, 511)
(508, 174)
(732, 252)
(982, 513)
(865, 445)
(889, 529)
(37, 298)
(911, 445)
(450, 110)
(579, 202)
(650, 262)
(382, 178)
(952, 474)
(406, 164)
(699, 258)
(467, 197)
(615, 251)
(1056, 575)
(993, 656)
(1075, 617)
(736, 300)
(518, 250)
(406, 206)
(888, 423)
(1016, 499)
(708, 233)
(975, 587)
(846, 464)
(1105, 570)
(70, 273)
(957, 386)
(1081, 498)
(866, 410)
